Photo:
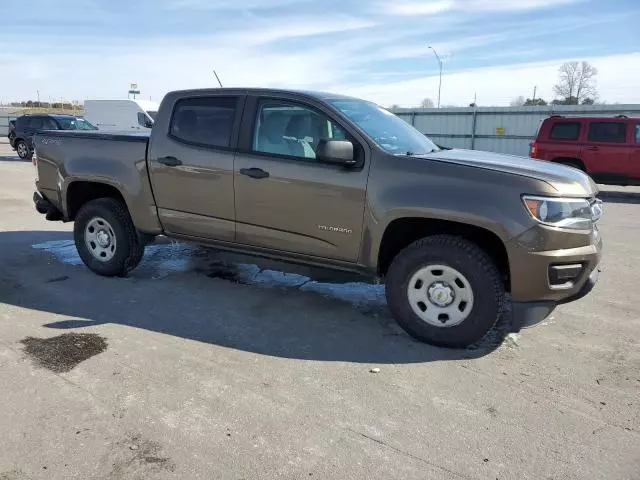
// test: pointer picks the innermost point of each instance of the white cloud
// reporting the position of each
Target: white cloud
(401, 7)
(227, 4)
(499, 85)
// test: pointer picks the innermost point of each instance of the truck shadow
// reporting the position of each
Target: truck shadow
(199, 294)
(13, 158)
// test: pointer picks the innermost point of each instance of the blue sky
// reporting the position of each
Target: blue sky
(495, 49)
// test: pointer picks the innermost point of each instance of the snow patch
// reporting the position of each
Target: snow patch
(161, 260)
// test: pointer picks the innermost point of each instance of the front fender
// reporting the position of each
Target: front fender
(481, 198)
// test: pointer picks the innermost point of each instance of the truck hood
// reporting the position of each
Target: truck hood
(566, 180)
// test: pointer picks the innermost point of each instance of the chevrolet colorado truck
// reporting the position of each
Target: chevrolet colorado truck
(337, 182)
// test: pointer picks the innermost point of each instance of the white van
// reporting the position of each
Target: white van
(121, 114)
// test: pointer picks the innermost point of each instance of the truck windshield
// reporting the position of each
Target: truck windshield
(390, 133)
(75, 124)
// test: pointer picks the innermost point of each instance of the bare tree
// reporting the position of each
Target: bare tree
(576, 82)
(517, 102)
(427, 103)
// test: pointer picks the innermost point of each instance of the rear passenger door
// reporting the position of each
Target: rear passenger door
(191, 166)
(606, 151)
(33, 125)
(564, 142)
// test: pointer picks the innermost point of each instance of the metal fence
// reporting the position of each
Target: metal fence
(4, 124)
(497, 129)
(494, 129)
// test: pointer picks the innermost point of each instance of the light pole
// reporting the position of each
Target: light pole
(440, 63)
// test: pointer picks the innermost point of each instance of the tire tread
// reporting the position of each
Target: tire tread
(440, 243)
(135, 249)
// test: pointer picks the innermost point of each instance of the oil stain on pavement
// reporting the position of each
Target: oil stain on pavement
(62, 353)
(137, 457)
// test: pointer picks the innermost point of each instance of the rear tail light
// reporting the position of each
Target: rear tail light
(533, 153)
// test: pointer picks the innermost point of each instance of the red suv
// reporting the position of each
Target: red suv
(606, 148)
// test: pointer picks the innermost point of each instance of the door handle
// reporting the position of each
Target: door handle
(593, 149)
(169, 161)
(254, 172)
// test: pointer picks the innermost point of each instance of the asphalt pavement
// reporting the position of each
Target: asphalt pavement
(202, 366)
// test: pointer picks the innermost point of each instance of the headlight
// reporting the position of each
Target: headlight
(574, 213)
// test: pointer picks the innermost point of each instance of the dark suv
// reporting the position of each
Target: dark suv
(27, 125)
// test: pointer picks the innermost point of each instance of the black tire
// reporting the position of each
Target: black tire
(23, 150)
(129, 248)
(468, 259)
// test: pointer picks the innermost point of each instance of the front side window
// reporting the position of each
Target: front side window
(610, 132)
(390, 133)
(206, 121)
(70, 123)
(144, 121)
(285, 128)
(565, 131)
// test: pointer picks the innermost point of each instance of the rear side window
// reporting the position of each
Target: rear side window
(607, 132)
(49, 124)
(206, 121)
(35, 122)
(565, 131)
(638, 134)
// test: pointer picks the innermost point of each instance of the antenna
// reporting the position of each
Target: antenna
(218, 78)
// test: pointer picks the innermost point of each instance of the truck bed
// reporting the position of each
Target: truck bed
(114, 158)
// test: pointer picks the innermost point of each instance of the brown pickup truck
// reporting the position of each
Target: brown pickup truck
(336, 182)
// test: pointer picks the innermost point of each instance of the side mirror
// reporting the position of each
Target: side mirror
(336, 152)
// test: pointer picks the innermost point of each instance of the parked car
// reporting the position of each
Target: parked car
(337, 182)
(12, 131)
(121, 115)
(28, 125)
(608, 149)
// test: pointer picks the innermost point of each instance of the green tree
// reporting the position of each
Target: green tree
(538, 102)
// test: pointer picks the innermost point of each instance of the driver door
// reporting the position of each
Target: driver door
(285, 199)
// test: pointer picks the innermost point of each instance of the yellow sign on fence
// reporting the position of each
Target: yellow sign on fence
(499, 130)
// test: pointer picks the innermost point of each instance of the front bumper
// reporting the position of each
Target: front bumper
(527, 314)
(534, 255)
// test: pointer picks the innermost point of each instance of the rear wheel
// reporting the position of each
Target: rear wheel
(106, 238)
(23, 150)
(445, 290)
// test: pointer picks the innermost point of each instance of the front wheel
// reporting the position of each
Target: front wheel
(106, 238)
(445, 291)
